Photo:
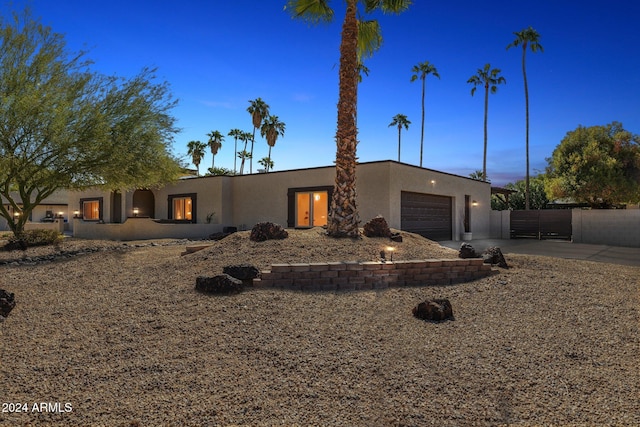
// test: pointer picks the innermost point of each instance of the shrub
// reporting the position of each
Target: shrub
(29, 238)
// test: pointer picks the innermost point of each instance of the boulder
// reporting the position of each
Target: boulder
(7, 303)
(396, 237)
(267, 231)
(377, 227)
(221, 284)
(493, 256)
(244, 272)
(434, 309)
(467, 251)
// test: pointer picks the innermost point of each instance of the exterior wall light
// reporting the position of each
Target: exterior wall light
(76, 214)
(474, 203)
(136, 211)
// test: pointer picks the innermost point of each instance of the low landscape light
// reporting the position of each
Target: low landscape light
(390, 249)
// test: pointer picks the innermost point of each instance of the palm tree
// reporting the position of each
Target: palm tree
(244, 154)
(195, 149)
(215, 143)
(526, 37)
(271, 128)
(267, 163)
(358, 39)
(421, 70)
(489, 79)
(401, 121)
(258, 110)
(235, 133)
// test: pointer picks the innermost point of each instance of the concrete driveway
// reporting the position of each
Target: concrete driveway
(557, 248)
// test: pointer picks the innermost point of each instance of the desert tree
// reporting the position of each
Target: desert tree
(421, 71)
(235, 133)
(526, 38)
(400, 121)
(196, 150)
(214, 143)
(259, 110)
(359, 39)
(271, 128)
(64, 126)
(489, 79)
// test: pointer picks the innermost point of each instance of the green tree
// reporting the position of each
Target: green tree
(598, 165)
(400, 120)
(359, 39)
(267, 163)
(213, 171)
(235, 133)
(244, 154)
(196, 149)
(421, 71)
(516, 201)
(259, 110)
(215, 143)
(271, 128)
(489, 79)
(65, 126)
(527, 37)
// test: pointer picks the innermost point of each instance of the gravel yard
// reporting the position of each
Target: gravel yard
(117, 335)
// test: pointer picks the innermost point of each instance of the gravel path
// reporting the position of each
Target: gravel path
(118, 336)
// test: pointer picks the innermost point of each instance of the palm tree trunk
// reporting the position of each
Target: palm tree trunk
(235, 157)
(526, 101)
(343, 215)
(486, 113)
(424, 83)
(269, 157)
(251, 158)
(399, 130)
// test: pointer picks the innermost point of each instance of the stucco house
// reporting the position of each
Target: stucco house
(52, 212)
(438, 205)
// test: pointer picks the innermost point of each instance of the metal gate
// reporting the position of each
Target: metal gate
(541, 224)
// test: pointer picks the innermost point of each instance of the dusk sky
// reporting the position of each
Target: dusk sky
(218, 55)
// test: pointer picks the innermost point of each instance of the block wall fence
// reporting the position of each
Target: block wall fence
(353, 275)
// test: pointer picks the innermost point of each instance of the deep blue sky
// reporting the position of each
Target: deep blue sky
(219, 55)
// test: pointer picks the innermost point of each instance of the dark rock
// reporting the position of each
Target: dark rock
(244, 272)
(221, 284)
(396, 237)
(377, 227)
(267, 231)
(7, 303)
(493, 255)
(467, 251)
(434, 309)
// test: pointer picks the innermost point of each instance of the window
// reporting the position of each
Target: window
(311, 209)
(308, 206)
(91, 209)
(182, 207)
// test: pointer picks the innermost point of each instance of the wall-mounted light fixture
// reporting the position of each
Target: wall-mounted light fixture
(136, 211)
(474, 203)
(433, 182)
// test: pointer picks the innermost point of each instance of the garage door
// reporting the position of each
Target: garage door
(426, 214)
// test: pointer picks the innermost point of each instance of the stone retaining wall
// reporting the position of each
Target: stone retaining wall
(350, 276)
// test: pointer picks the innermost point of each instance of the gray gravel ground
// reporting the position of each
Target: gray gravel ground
(122, 338)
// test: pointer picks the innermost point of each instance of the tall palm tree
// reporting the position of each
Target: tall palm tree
(195, 149)
(271, 128)
(358, 39)
(489, 79)
(235, 133)
(527, 37)
(421, 71)
(401, 121)
(215, 143)
(258, 110)
(244, 154)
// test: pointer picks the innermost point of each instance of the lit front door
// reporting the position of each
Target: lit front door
(312, 209)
